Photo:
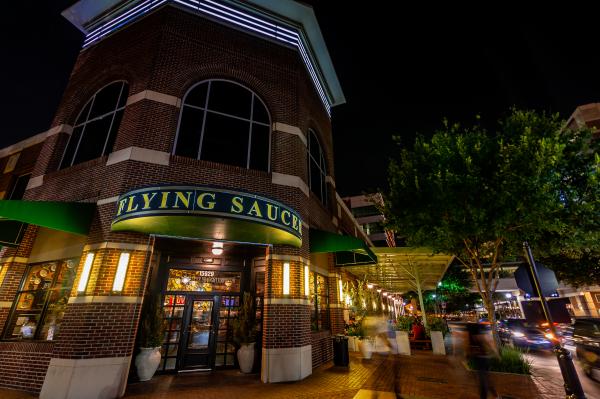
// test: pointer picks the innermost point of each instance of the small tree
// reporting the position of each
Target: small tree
(479, 194)
(244, 327)
(151, 328)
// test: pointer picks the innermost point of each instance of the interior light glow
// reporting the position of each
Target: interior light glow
(370, 286)
(217, 248)
(341, 290)
(385, 294)
(306, 282)
(508, 294)
(286, 278)
(85, 273)
(121, 272)
(379, 290)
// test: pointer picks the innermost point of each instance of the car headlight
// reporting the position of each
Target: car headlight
(518, 334)
(550, 336)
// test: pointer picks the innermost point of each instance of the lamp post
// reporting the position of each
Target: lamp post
(572, 384)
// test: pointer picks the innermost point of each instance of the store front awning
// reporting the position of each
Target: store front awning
(72, 217)
(403, 269)
(348, 250)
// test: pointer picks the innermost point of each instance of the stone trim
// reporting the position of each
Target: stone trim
(21, 145)
(115, 245)
(105, 299)
(139, 154)
(336, 306)
(290, 181)
(105, 201)
(287, 301)
(292, 258)
(154, 96)
(5, 304)
(14, 259)
(334, 220)
(320, 270)
(289, 129)
(286, 364)
(35, 182)
(64, 128)
(329, 179)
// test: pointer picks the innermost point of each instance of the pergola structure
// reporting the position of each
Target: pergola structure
(402, 269)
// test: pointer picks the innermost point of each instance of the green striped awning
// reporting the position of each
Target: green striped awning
(348, 250)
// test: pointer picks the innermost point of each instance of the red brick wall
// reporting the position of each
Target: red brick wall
(23, 365)
(322, 348)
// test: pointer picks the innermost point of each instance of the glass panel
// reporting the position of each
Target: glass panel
(315, 179)
(190, 128)
(260, 113)
(170, 364)
(40, 276)
(230, 98)
(200, 325)
(84, 113)
(314, 146)
(197, 96)
(71, 146)
(124, 94)
(112, 135)
(106, 100)
(225, 140)
(259, 150)
(57, 304)
(19, 187)
(203, 280)
(92, 142)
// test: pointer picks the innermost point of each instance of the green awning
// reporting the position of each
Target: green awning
(348, 250)
(72, 217)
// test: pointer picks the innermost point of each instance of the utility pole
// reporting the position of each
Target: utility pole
(572, 384)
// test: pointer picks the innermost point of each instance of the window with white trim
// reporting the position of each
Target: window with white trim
(96, 127)
(224, 122)
(317, 167)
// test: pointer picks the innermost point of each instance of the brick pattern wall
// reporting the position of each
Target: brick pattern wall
(23, 365)
(322, 348)
(25, 164)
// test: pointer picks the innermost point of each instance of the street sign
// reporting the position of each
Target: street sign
(548, 281)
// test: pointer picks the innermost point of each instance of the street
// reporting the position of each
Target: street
(545, 367)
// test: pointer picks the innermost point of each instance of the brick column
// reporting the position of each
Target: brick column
(336, 307)
(93, 350)
(286, 353)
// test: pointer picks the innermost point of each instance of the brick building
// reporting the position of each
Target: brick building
(190, 157)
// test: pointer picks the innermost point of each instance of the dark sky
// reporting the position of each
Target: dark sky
(402, 71)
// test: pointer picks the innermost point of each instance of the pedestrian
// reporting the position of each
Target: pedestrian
(480, 352)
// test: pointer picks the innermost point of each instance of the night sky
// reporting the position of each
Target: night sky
(402, 70)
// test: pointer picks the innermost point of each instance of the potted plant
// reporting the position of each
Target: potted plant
(244, 333)
(150, 338)
(353, 332)
(402, 326)
(366, 346)
(437, 329)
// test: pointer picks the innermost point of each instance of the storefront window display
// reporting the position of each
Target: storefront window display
(319, 300)
(42, 300)
(203, 280)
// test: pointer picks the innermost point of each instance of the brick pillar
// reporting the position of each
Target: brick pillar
(336, 307)
(287, 350)
(93, 350)
(13, 263)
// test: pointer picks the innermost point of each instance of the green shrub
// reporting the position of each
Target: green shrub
(404, 323)
(354, 330)
(437, 324)
(510, 360)
(151, 323)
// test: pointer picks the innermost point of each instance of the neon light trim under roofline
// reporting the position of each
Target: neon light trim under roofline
(287, 35)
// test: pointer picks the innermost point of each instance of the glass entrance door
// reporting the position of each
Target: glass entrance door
(198, 340)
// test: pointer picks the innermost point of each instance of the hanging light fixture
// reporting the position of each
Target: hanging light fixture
(217, 248)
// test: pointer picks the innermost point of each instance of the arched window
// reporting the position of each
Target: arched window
(96, 126)
(224, 122)
(317, 167)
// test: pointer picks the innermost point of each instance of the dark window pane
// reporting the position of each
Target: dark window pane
(190, 127)
(84, 113)
(92, 142)
(112, 136)
(323, 164)
(315, 179)
(229, 98)
(124, 95)
(71, 147)
(19, 187)
(260, 113)
(225, 140)
(259, 149)
(314, 146)
(106, 100)
(323, 190)
(197, 96)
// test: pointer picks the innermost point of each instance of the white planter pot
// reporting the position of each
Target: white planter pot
(403, 343)
(437, 343)
(146, 362)
(351, 344)
(245, 356)
(366, 348)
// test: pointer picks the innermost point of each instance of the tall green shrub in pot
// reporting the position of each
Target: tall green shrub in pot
(150, 337)
(244, 333)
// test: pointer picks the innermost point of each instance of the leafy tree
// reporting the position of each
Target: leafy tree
(479, 194)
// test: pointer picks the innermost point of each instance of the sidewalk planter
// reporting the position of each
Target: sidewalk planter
(403, 343)
(437, 343)
(353, 344)
(366, 348)
(245, 356)
(146, 363)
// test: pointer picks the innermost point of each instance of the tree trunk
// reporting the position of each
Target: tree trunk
(491, 309)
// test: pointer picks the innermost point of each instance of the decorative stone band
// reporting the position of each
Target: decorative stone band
(154, 96)
(287, 301)
(5, 304)
(35, 182)
(291, 258)
(116, 245)
(336, 306)
(13, 259)
(105, 299)
(286, 364)
(86, 378)
(289, 129)
(105, 201)
(139, 154)
(290, 181)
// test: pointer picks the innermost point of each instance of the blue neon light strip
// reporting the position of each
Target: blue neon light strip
(289, 36)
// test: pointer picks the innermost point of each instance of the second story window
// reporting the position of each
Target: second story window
(222, 121)
(96, 126)
(317, 167)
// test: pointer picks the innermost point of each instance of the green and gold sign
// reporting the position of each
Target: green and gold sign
(208, 212)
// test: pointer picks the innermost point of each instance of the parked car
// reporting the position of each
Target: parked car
(586, 337)
(520, 333)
